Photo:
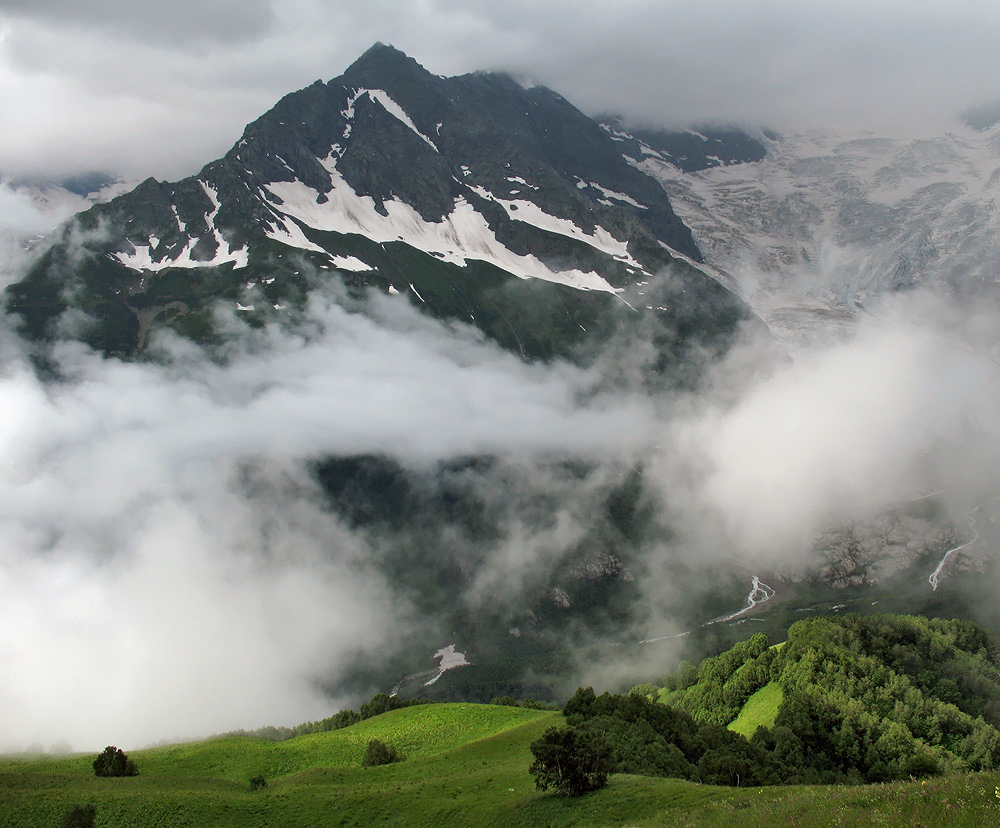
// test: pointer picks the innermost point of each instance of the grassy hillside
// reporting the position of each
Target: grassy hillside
(466, 765)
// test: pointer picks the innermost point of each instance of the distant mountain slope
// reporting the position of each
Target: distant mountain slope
(825, 224)
(460, 192)
(688, 150)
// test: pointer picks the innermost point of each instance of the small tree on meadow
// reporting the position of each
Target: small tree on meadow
(379, 753)
(80, 816)
(114, 761)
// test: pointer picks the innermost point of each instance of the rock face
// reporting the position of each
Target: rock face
(859, 554)
(487, 202)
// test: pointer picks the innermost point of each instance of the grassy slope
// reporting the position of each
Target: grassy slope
(481, 779)
(760, 710)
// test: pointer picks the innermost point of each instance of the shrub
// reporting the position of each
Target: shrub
(114, 761)
(257, 783)
(650, 691)
(379, 753)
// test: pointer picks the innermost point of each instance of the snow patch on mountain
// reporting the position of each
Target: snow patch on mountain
(288, 232)
(611, 194)
(383, 98)
(462, 235)
(448, 659)
(352, 263)
(142, 256)
(531, 213)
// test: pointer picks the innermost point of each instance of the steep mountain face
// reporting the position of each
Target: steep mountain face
(498, 205)
(823, 225)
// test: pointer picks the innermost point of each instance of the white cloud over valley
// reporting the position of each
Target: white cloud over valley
(169, 566)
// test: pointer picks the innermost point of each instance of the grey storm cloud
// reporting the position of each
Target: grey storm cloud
(179, 22)
(161, 88)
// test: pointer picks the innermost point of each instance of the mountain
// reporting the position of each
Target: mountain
(32, 208)
(475, 200)
(688, 150)
(818, 229)
(485, 201)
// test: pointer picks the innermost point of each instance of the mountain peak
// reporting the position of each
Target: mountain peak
(389, 175)
(383, 57)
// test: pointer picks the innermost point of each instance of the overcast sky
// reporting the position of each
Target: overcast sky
(160, 88)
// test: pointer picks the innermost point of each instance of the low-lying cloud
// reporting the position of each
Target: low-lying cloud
(898, 409)
(169, 565)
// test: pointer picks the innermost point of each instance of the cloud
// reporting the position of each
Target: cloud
(22, 217)
(23, 222)
(182, 23)
(160, 89)
(168, 565)
(859, 425)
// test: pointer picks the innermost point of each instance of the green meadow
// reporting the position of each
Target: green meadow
(760, 710)
(466, 765)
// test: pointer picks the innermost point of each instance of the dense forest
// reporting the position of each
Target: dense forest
(858, 699)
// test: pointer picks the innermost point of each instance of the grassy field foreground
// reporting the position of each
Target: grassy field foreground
(466, 766)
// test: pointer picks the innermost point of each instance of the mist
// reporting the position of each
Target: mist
(22, 222)
(902, 406)
(170, 566)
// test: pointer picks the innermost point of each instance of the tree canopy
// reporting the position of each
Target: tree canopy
(113, 761)
(570, 760)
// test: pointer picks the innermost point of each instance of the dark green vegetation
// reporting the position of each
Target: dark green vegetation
(113, 761)
(857, 698)
(80, 816)
(379, 753)
(570, 760)
(466, 765)
(651, 739)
